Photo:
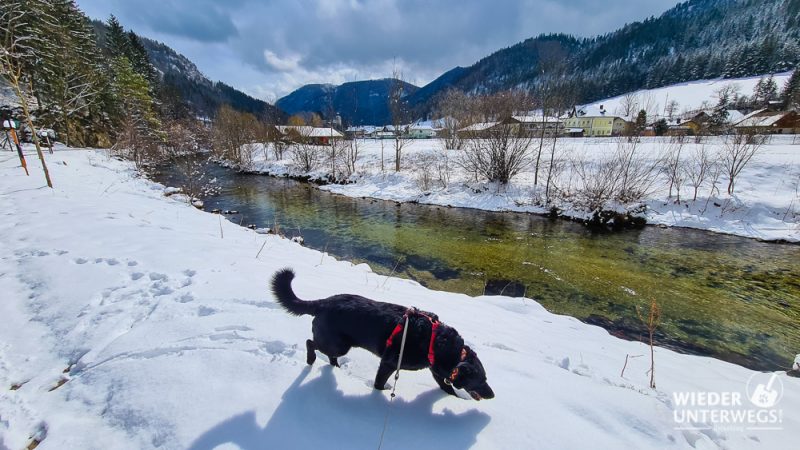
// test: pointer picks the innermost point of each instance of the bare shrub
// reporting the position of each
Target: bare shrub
(697, 168)
(180, 148)
(627, 176)
(651, 321)
(137, 142)
(232, 131)
(673, 165)
(425, 171)
(348, 155)
(737, 151)
(443, 168)
(500, 152)
(305, 156)
(637, 172)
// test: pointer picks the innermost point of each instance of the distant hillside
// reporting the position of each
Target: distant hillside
(202, 95)
(695, 40)
(358, 103)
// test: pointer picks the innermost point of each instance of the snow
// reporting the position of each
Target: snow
(132, 320)
(692, 95)
(765, 204)
(761, 118)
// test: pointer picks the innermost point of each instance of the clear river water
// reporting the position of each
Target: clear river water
(732, 298)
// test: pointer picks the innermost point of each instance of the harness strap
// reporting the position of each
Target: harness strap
(434, 326)
(399, 328)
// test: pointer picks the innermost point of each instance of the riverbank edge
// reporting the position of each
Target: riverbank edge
(634, 217)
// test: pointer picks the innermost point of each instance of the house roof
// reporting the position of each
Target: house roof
(308, 131)
(734, 116)
(591, 111)
(536, 119)
(762, 118)
(480, 126)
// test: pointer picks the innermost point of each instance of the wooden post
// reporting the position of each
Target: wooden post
(19, 150)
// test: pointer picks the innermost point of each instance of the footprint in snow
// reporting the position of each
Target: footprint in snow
(158, 276)
(190, 272)
(112, 262)
(136, 275)
(185, 298)
(499, 346)
(132, 263)
(204, 311)
(80, 260)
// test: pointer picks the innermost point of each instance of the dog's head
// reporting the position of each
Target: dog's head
(470, 376)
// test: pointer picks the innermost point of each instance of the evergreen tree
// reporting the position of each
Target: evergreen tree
(137, 122)
(641, 122)
(71, 74)
(140, 62)
(790, 95)
(117, 42)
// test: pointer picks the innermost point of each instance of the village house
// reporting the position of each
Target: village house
(764, 121)
(594, 121)
(309, 134)
(538, 124)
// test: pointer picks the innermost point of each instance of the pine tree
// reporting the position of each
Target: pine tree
(138, 125)
(790, 95)
(21, 36)
(117, 42)
(140, 62)
(71, 74)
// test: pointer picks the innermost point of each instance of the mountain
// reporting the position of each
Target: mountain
(696, 39)
(358, 102)
(203, 96)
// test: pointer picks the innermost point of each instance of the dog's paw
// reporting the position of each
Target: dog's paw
(385, 387)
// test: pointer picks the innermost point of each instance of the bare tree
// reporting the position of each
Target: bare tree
(232, 131)
(181, 148)
(697, 168)
(671, 108)
(399, 114)
(628, 105)
(305, 155)
(737, 151)
(453, 112)
(348, 154)
(674, 165)
(17, 46)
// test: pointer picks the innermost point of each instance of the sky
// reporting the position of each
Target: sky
(268, 48)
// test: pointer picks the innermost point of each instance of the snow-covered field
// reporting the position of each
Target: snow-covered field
(691, 95)
(131, 320)
(765, 204)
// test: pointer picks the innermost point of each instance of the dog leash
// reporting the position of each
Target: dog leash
(396, 377)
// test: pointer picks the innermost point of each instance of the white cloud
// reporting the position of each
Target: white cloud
(271, 48)
(287, 64)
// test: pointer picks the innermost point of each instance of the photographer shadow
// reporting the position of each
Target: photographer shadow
(316, 414)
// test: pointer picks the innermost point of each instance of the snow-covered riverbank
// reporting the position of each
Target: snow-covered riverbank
(135, 321)
(766, 204)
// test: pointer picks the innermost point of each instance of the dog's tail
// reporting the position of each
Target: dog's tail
(282, 290)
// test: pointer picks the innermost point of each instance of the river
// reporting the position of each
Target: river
(728, 297)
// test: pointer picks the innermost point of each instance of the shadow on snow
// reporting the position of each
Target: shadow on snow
(316, 414)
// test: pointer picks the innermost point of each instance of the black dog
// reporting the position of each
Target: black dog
(345, 321)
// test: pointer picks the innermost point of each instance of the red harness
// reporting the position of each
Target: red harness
(399, 329)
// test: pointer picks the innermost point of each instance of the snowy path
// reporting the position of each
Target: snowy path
(129, 322)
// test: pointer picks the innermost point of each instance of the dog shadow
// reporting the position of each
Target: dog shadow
(314, 414)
